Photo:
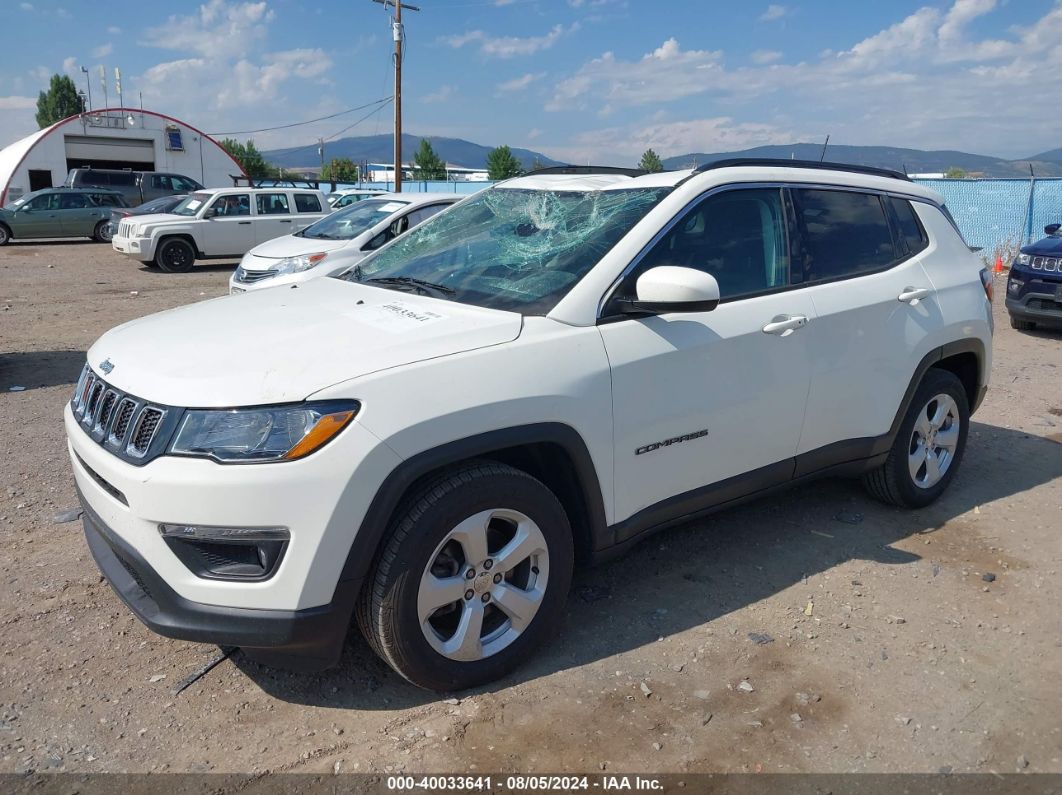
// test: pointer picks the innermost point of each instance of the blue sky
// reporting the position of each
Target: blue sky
(580, 80)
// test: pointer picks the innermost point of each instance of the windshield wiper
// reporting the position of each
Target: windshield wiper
(425, 287)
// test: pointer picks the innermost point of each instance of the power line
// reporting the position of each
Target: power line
(301, 123)
(320, 141)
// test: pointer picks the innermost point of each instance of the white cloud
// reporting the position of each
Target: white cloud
(103, 50)
(26, 6)
(70, 66)
(114, 30)
(509, 46)
(219, 26)
(17, 103)
(773, 12)
(520, 83)
(765, 56)
(443, 93)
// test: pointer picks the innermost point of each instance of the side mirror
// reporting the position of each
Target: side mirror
(211, 212)
(1052, 229)
(668, 288)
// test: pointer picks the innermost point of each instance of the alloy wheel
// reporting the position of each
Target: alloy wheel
(483, 585)
(933, 441)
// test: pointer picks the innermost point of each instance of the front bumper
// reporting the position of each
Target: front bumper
(1039, 304)
(310, 639)
(140, 248)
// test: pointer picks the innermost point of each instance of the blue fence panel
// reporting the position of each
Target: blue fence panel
(994, 213)
(417, 186)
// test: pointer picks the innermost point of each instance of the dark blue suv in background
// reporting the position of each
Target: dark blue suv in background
(1034, 289)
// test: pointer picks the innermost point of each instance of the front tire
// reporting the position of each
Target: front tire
(175, 255)
(103, 232)
(5, 235)
(928, 447)
(472, 578)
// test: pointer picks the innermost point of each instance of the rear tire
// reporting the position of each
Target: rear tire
(485, 529)
(103, 232)
(175, 255)
(1021, 325)
(5, 235)
(928, 447)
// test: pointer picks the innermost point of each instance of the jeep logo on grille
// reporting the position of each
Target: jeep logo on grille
(106, 365)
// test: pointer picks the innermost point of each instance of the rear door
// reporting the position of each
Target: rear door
(273, 218)
(874, 308)
(229, 231)
(308, 208)
(78, 215)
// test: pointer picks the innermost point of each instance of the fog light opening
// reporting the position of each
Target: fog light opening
(227, 553)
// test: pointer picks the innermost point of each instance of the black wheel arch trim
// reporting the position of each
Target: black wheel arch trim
(398, 483)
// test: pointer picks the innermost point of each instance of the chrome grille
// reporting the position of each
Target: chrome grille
(1047, 263)
(125, 229)
(122, 423)
(250, 277)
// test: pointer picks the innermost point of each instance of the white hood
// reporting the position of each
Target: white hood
(156, 219)
(292, 246)
(284, 344)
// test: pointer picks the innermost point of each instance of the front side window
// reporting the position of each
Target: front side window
(161, 182)
(513, 249)
(232, 204)
(845, 233)
(307, 203)
(272, 203)
(46, 201)
(738, 236)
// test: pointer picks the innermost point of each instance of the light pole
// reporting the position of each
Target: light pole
(88, 85)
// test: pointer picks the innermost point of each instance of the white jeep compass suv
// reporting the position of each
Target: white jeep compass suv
(541, 375)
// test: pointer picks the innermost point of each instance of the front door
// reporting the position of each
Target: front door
(229, 232)
(702, 397)
(38, 217)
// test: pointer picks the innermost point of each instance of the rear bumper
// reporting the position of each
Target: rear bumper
(309, 639)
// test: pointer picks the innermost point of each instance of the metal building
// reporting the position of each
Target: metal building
(123, 138)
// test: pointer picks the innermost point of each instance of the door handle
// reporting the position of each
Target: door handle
(912, 295)
(784, 325)
(243, 223)
(285, 220)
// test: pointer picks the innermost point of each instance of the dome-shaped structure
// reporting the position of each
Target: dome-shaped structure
(122, 138)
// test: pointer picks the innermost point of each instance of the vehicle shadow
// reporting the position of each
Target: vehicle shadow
(39, 369)
(213, 267)
(689, 575)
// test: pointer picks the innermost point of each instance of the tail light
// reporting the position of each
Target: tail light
(986, 282)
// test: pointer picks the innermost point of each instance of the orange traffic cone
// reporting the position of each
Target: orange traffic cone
(999, 265)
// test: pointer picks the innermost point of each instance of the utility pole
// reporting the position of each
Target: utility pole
(398, 33)
(320, 151)
(88, 85)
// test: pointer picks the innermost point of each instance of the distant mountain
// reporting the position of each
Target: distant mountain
(1054, 156)
(914, 161)
(380, 149)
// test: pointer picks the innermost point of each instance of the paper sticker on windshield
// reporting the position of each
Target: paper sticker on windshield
(399, 316)
(390, 207)
(194, 204)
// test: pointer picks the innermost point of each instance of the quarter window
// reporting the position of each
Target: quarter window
(912, 236)
(307, 203)
(845, 233)
(272, 204)
(738, 236)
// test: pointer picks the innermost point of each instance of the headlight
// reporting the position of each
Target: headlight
(299, 264)
(1024, 259)
(256, 435)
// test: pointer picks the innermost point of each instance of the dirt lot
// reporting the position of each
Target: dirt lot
(871, 638)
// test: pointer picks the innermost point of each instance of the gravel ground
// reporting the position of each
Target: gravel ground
(813, 631)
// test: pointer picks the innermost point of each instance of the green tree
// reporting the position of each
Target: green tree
(59, 102)
(502, 163)
(955, 173)
(427, 164)
(340, 169)
(651, 162)
(248, 156)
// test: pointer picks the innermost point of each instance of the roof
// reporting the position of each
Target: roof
(416, 199)
(243, 189)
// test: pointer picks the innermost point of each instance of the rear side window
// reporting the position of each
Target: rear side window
(845, 233)
(422, 214)
(89, 178)
(72, 201)
(184, 184)
(105, 200)
(125, 178)
(307, 203)
(912, 237)
(272, 203)
(161, 182)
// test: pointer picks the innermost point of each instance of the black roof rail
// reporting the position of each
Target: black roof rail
(779, 162)
(628, 172)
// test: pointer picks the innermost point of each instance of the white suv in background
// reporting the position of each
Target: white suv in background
(218, 223)
(543, 374)
(336, 241)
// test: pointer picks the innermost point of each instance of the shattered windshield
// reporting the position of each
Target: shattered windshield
(519, 250)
